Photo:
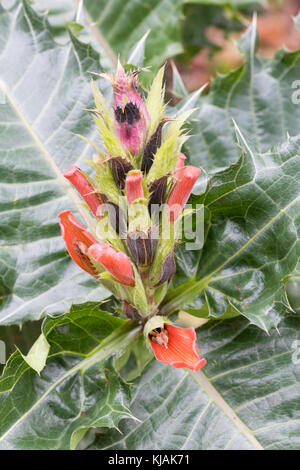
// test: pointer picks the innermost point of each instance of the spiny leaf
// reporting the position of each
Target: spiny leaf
(252, 243)
(244, 398)
(120, 25)
(45, 88)
(75, 390)
(258, 95)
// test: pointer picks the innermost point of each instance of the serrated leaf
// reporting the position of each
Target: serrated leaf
(258, 96)
(253, 241)
(60, 12)
(137, 54)
(132, 362)
(245, 398)
(75, 391)
(120, 25)
(44, 89)
(178, 86)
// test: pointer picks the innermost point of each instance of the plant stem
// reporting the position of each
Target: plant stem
(119, 339)
(178, 297)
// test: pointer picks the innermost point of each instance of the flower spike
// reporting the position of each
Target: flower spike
(138, 172)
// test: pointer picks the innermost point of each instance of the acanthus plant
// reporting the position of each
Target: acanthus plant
(137, 198)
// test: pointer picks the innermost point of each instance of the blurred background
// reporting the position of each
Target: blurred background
(199, 43)
(208, 30)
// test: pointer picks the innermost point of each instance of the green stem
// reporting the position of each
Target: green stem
(119, 339)
(144, 273)
(178, 297)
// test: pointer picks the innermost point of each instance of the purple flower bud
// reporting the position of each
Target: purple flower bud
(131, 115)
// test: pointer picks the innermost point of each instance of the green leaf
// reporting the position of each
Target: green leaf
(75, 391)
(44, 89)
(258, 95)
(37, 356)
(60, 12)
(245, 398)
(178, 87)
(120, 25)
(137, 54)
(198, 16)
(133, 360)
(253, 240)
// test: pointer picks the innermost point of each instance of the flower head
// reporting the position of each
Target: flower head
(182, 190)
(77, 241)
(85, 189)
(138, 170)
(176, 346)
(116, 263)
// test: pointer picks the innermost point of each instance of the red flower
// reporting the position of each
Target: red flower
(133, 185)
(116, 263)
(85, 189)
(176, 346)
(182, 190)
(77, 241)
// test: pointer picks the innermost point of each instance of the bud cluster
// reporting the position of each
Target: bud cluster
(136, 196)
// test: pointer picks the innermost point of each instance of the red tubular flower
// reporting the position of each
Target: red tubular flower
(131, 115)
(85, 189)
(182, 190)
(176, 346)
(116, 263)
(77, 241)
(133, 185)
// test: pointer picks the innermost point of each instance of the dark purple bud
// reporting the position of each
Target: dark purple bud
(120, 167)
(130, 311)
(152, 146)
(168, 269)
(142, 246)
(116, 215)
(157, 190)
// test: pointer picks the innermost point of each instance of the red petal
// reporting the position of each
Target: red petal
(76, 238)
(134, 189)
(85, 189)
(116, 263)
(182, 191)
(182, 349)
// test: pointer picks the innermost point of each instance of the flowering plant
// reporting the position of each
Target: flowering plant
(137, 198)
(107, 363)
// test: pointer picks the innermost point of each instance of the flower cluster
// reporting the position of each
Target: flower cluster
(136, 199)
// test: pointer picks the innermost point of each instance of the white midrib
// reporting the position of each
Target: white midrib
(65, 184)
(215, 396)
